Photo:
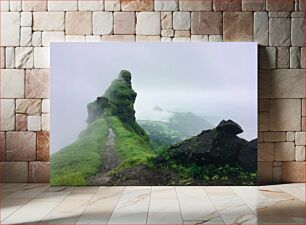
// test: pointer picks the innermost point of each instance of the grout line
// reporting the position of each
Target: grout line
(116, 205)
(149, 205)
(177, 198)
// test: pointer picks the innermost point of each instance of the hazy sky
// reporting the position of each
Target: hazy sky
(213, 80)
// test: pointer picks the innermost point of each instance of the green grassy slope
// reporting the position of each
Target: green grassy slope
(74, 163)
(131, 148)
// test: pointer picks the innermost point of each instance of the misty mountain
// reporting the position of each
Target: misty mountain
(179, 127)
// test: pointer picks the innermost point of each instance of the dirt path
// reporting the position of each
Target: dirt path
(109, 161)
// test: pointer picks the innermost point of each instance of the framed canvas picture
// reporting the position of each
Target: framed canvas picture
(153, 113)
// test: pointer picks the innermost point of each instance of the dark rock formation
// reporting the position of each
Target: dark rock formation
(216, 146)
(229, 127)
(248, 156)
(118, 100)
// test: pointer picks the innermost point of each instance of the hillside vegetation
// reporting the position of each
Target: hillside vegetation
(72, 164)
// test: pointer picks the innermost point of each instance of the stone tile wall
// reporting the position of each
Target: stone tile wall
(28, 27)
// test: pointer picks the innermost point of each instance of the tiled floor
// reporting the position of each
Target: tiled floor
(41, 204)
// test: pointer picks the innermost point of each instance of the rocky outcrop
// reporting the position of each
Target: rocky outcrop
(217, 146)
(118, 100)
(248, 156)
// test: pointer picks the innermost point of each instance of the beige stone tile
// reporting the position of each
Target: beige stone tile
(181, 39)
(167, 33)
(279, 14)
(15, 6)
(28, 106)
(284, 151)
(279, 32)
(261, 28)
(199, 38)
(24, 57)
(202, 5)
(10, 28)
(34, 5)
(26, 19)
(145, 28)
(94, 5)
(12, 83)
(37, 39)
(20, 146)
(300, 138)
(57, 36)
(43, 146)
(14, 172)
(39, 172)
(285, 115)
(10, 57)
(195, 204)
(281, 83)
(78, 23)
(275, 136)
(102, 23)
(25, 36)
(27, 190)
(37, 83)
(132, 208)
(264, 172)
(295, 57)
(215, 38)
(164, 206)
(75, 38)
(166, 20)
(9, 206)
(41, 207)
(238, 26)
(143, 38)
(283, 57)
(137, 5)
(55, 5)
(7, 114)
(182, 33)
(45, 106)
(170, 5)
(265, 152)
(45, 122)
(48, 21)
(2, 57)
(253, 5)
(34, 123)
(92, 38)
(273, 5)
(263, 121)
(21, 122)
(181, 21)
(41, 57)
(5, 5)
(297, 32)
(300, 153)
(290, 136)
(2, 147)
(227, 5)
(124, 22)
(296, 190)
(293, 171)
(120, 38)
(100, 208)
(112, 5)
(166, 39)
(68, 211)
(206, 23)
(277, 174)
